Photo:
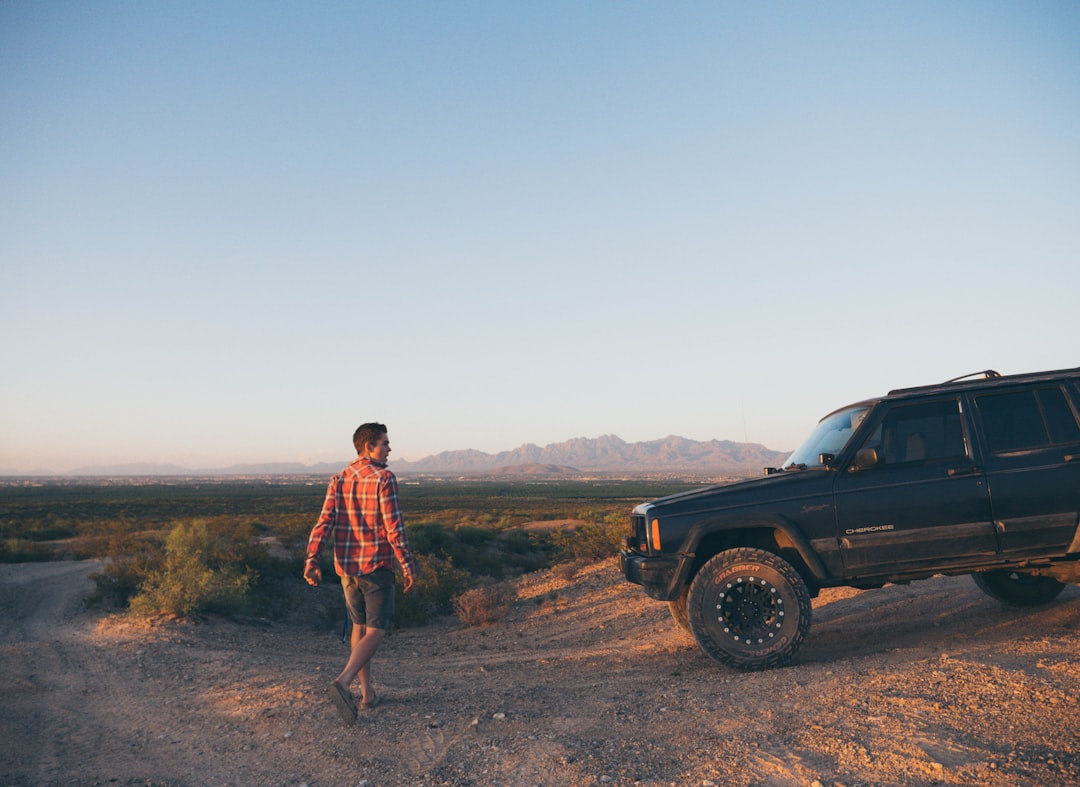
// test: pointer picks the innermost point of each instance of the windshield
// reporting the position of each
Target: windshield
(829, 437)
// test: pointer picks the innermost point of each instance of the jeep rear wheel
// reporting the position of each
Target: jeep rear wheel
(1017, 588)
(749, 609)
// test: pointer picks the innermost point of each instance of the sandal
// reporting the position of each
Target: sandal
(343, 701)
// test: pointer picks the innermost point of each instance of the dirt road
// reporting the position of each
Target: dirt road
(584, 682)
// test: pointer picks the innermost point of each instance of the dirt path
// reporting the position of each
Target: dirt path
(585, 682)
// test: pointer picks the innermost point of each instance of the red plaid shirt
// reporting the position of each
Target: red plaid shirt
(362, 516)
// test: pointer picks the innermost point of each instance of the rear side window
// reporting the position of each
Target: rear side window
(1022, 420)
(1059, 416)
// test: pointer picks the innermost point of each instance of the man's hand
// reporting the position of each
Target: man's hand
(407, 582)
(313, 574)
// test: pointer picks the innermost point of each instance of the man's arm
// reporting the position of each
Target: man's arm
(395, 530)
(312, 572)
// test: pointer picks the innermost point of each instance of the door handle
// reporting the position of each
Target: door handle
(1072, 457)
(964, 470)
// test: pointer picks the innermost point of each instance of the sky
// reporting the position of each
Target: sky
(231, 232)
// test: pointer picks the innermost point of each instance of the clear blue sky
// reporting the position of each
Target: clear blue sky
(231, 232)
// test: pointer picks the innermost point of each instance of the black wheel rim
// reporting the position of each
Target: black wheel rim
(750, 610)
(1023, 580)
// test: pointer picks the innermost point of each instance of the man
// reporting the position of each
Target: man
(362, 518)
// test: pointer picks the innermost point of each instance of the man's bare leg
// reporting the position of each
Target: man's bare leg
(365, 641)
(364, 673)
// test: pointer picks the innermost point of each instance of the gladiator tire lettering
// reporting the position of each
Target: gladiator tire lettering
(740, 569)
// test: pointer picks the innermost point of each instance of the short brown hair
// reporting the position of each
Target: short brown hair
(366, 434)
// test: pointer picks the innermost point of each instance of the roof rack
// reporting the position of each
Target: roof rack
(986, 374)
(995, 379)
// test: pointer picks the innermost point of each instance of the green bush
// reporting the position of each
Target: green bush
(473, 536)
(479, 551)
(132, 558)
(591, 541)
(437, 582)
(292, 530)
(21, 550)
(206, 569)
(427, 537)
(520, 542)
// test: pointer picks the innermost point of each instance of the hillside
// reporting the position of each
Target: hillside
(584, 682)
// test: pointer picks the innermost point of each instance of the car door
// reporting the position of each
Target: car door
(915, 495)
(1033, 467)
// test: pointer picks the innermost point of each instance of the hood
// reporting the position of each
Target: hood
(786, 484)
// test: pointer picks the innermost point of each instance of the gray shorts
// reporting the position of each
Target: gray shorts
(369, 598)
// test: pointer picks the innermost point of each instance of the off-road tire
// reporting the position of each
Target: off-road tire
(749, 609)
(1017, 588)
(678, 610)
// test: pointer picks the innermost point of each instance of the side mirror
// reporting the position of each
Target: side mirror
(828, 461)
(864, 458)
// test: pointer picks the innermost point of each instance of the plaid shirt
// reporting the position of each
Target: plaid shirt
(362, 517)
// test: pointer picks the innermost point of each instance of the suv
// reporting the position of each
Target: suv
(979, 475)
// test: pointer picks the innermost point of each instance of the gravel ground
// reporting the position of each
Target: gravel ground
(584, 682)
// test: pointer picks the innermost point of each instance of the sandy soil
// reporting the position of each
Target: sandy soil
(585, 682)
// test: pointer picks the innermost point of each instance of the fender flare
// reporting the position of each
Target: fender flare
(793, 534)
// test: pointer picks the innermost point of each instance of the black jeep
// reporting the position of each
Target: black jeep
(979, 475)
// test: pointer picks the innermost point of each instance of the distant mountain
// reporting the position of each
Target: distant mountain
(139, 468)
(534, 469)
(604, 454)
(148, 469)
(610, 454)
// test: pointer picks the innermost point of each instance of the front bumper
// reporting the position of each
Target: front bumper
(658, 576)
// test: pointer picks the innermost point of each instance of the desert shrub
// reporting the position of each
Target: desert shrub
(482, 605)
(273, 592)
(591, 541)
(565, 571)
(292, 530)
(206, 569)
(427, 537)
(21, 550)
(438, 582)
(79, 548)
(520, 542)
(474, 536)
(131, 559)
(479, 551)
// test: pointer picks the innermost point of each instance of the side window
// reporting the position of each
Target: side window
(1012, 421)
(1059, 416)
(919, 433)
(1027, 419)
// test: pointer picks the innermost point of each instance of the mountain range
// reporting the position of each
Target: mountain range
(604, 454)
(610, 454)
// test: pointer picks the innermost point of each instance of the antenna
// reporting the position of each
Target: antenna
(746, 435)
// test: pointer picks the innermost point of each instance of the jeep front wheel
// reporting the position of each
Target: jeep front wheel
(1017, 588)
(678, 609)
(749, 609)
